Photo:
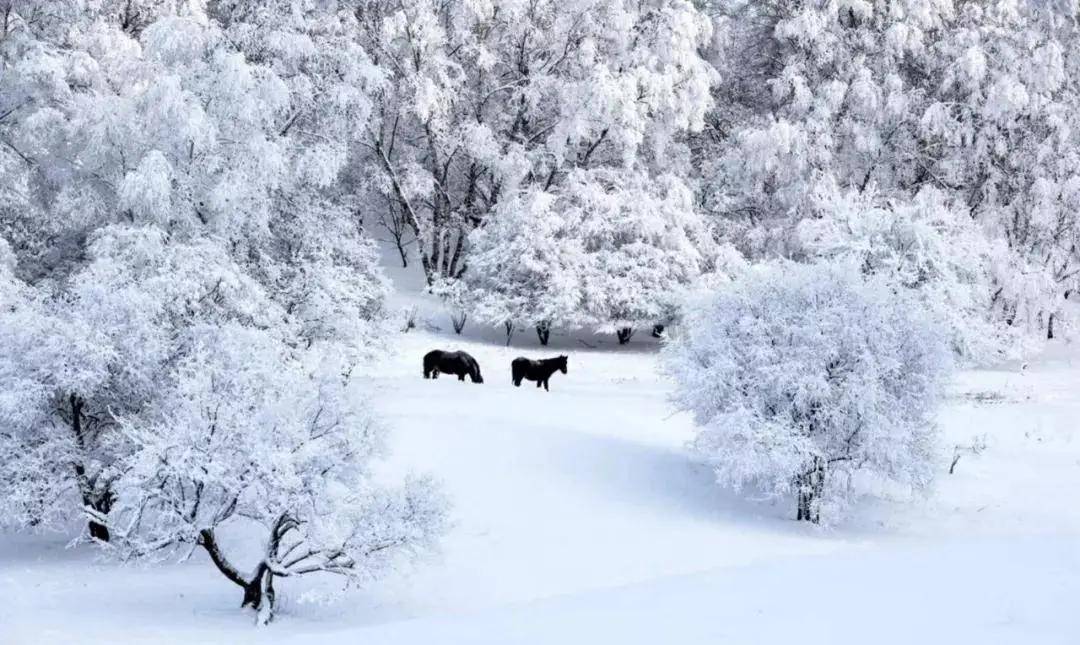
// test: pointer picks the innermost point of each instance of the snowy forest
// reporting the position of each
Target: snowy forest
(804, 247)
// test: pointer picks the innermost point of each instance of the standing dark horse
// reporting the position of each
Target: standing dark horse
(539, 371)
(460, 363)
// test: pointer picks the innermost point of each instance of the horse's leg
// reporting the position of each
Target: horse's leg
(545, 386)
(461, 376)
(539, 382)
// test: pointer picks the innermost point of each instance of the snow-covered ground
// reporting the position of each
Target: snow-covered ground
(580, 518)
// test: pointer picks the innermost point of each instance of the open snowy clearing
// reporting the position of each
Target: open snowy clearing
(579, 517)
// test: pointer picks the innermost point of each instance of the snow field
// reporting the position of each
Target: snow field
(579, 517)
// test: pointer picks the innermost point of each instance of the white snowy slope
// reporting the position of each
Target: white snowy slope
(580, 518)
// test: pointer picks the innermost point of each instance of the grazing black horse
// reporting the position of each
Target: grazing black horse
(539, 371)
(437, 361)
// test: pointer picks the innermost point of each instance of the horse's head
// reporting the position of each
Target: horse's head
(562, 364)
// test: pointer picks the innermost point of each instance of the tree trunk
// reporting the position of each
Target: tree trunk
(543, 332)
(396, 226)
(269, 599)
(809, 487)
(436, 248)
(253, 589)
(259, 594)
(802, 506)
(509, 325)
(1050, 328)
(452, 271)
(258, 591)
(101, 503)
(624, 335)
(658, 331)
(407, 209)
(99, 531)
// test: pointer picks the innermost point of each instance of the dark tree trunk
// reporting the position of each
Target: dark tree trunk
(509, 331)
(543, 332)
(452, 270)
(658, 331)
(258, 591)
(101, 503)
(253, 593)
(394, 223)
(809, 487)
(1050, 328)
(99, 531)
(802, 507)
(624, 335)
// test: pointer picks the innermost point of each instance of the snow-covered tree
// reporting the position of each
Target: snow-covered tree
(169, 171)
(971, 100)
(822, 153)
(807, 381)
(103, 348)
(201, 127)
(166, 356)
(53, 457)
(525, 266)
(611, 249)
(252, 435)
(927, 245)
(1002, 130)
(643, 241)
(184, 285)
(483, 100)
(822, 91)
